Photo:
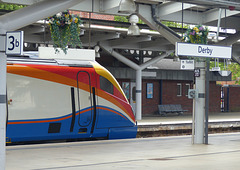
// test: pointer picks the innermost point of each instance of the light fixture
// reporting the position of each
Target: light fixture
(133, 29)
(97, 54)
(127, 7)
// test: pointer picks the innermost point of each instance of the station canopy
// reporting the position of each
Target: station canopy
(154, 38)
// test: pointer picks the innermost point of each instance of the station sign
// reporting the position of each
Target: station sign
(201, 50)
(14, 43)
(187, 64)
(196, 72)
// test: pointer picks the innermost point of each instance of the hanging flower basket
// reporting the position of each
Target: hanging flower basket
(65, 30)
(196, 35)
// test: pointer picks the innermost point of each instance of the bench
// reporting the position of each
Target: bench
(163, 110)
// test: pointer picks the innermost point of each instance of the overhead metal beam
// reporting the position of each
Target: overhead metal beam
(150, 1)
(217, 3)
(101, 37)
(33, 29)
(22, 2)
(154, 43)
(189, 17)
(236, 57)
(37, 39)
(172, 7)
(109, 4)
(130, 40)
(99, 6)
(145, 13)
(105, 46)
(231, 39)
(155, 59)
(212, 15)
(20, 18)
(225, 4)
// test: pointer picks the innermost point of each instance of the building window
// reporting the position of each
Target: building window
(134, 94)
(179, 89)
(149, 90)
(126, 87)
(187, 87)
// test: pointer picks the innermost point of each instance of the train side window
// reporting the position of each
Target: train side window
(106, 85)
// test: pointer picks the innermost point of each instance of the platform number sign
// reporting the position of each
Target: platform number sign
(14, 43)
(196, 72)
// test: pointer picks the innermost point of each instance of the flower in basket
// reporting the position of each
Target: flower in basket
(196, 35)
(65, 30)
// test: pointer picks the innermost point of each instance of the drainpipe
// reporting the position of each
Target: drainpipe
(162, 26)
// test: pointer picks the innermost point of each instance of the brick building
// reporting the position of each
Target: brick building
(166, 92)
(231, 98)
(169, 86)
(93, 15)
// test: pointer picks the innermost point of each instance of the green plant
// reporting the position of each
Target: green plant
(10, 7)
(125, 19)
(174, 24)
(235, 69)
(65, 30)
(196, 35)
(120, 18)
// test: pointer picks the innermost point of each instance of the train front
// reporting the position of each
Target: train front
(114, 110)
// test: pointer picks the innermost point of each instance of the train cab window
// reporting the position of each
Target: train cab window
(106, 85)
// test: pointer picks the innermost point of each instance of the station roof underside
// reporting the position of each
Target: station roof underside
(115, 33)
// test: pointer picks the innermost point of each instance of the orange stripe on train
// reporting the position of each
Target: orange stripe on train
(53, 77)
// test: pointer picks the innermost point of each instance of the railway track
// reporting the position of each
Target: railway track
(185, 129)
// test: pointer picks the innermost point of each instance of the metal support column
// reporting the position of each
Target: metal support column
(105, 46)
(139, 94)
(207, 102)
(3, 62)
(200, 105)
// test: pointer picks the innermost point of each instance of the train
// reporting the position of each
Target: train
(65, 97)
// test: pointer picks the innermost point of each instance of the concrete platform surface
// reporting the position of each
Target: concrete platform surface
(223, 152)
(187, 118)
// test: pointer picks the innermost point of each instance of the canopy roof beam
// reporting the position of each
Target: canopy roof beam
(20, 18)
(146, 14)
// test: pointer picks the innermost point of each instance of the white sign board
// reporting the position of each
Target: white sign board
(14, 43)
(149, 74)
(72, 54)
(201, 50)
(187, 64)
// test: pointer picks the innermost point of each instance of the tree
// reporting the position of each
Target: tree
(10, 7)
(235, 69)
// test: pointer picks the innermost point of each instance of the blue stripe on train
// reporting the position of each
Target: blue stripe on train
(108, 124)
